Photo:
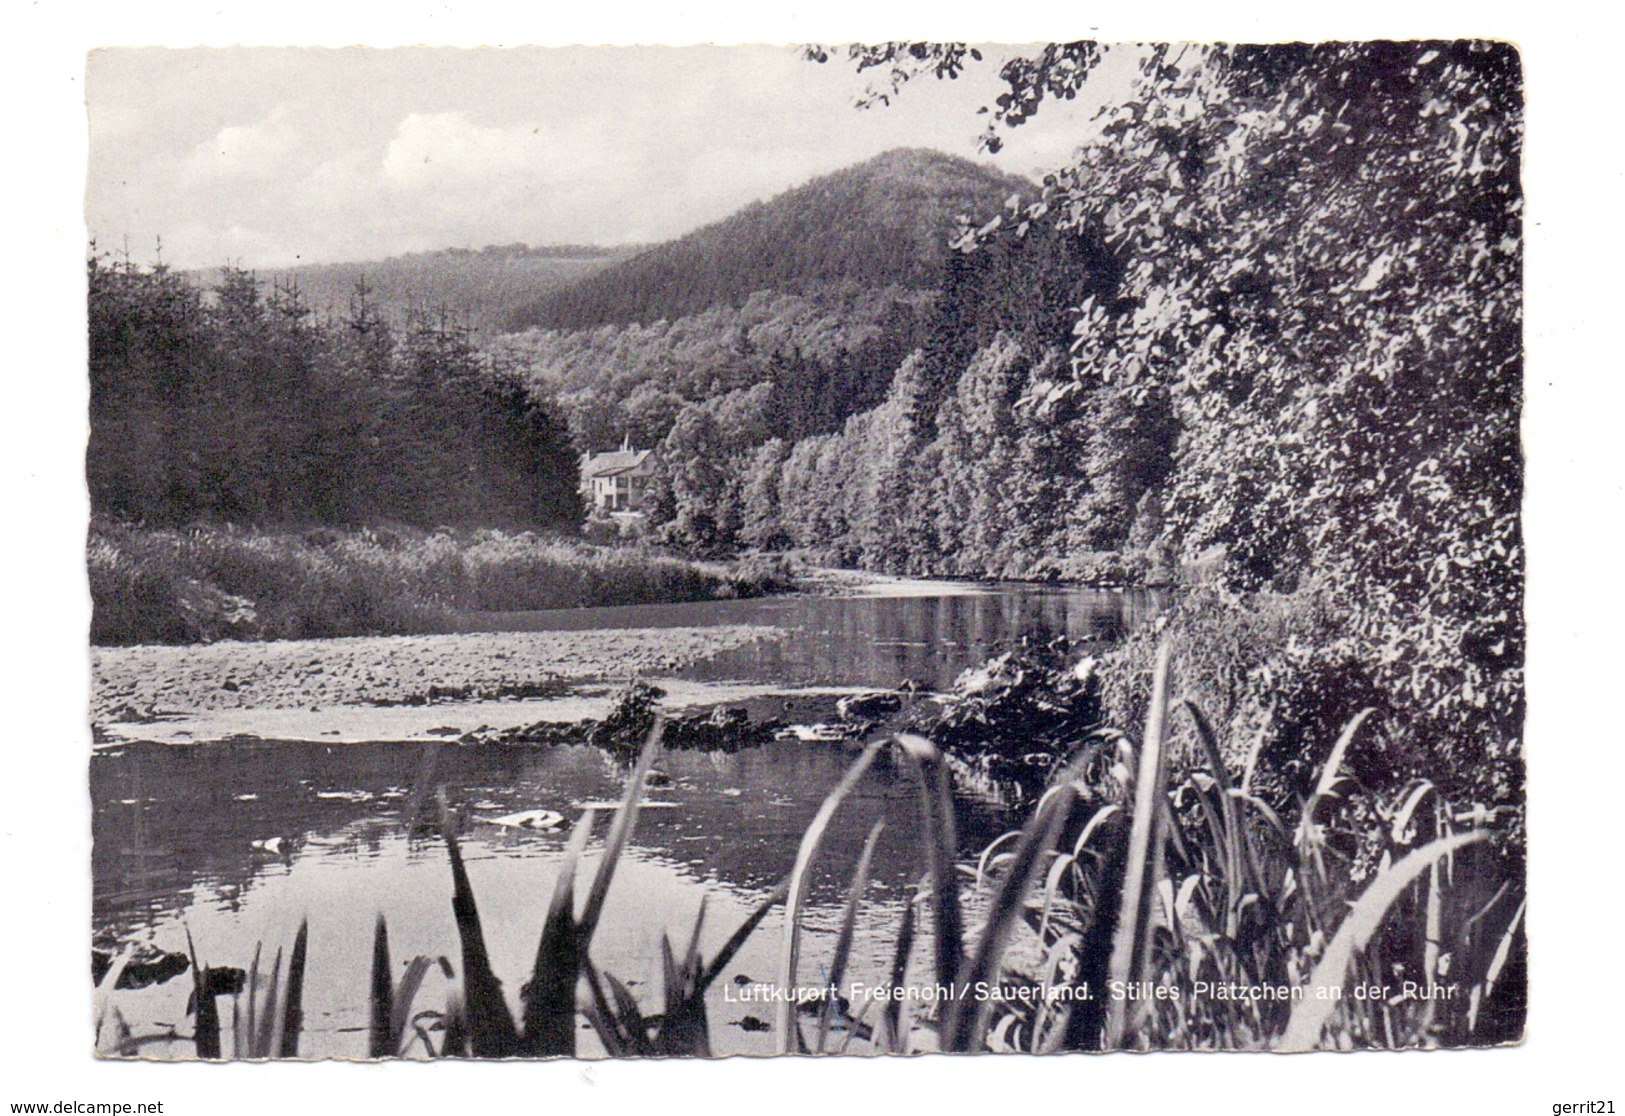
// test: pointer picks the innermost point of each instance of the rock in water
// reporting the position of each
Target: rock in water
(859, 707)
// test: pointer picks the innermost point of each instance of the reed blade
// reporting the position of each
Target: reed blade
(1325, 987)
(1334, 764)
(124, 1041)
(602, 1016)
(293, 1007)
(455, 1044)
(849, 922)
(965, 1025)
(103, 1000)
(1052, 887)
(1503, 950)
(629, 1017)
(785, 1010)
(264, 1040)
(942, 853)
(733, 945)
(382, 999)
(691, 956)
(1236, 862)
(550, 997)
(406, 991)
(1402, 817)
(605, 1030)
(683, 1030)
(244, 1022)
(620, 830)
(206, 1024)
(1128, 941)
(491, 1029)
(1050, 1040)
(986, 861)
(892, 1018)
(671, 978)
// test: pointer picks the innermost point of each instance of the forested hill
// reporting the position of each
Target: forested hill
(480, 286)
(884, 222)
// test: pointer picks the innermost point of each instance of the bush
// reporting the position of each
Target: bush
(1102, 568)
(761, 575)
(1280, 674)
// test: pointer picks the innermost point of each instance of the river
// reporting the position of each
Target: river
(239, 840)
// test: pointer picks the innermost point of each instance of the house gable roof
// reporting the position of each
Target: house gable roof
(613, 463)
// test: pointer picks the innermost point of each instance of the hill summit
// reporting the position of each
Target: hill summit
(883, 222)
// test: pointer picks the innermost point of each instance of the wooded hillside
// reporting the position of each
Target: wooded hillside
(884, 222)
(480, 287)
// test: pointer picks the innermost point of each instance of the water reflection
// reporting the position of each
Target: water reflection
(168, 819)
(875, 640)
(238, 841)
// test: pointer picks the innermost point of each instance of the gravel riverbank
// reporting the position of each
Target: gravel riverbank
(135, 685)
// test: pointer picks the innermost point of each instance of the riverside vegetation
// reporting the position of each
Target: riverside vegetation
(1158, 897)
(202, 584)
(1262, 336)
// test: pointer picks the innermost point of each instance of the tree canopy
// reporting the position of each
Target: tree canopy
(1316, 264)
(238, 405)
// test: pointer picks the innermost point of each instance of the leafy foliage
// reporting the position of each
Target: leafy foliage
(1058, 71)
(779, 365)
(994, 476)
(1305, 302)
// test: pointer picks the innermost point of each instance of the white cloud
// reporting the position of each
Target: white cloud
(259, 150)
(441, 150)
(360, 154)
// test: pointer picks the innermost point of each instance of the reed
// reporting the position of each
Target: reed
(112, 1034)
(266, 1007)
(391, 1003)
(1209, 886)
(1304, 1028)
(208, 583)
(564, 959)
(293, 1008)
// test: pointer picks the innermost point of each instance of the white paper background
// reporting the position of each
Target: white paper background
(1573, 411)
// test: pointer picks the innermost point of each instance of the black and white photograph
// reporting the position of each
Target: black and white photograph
(809, 548)
(665, 577)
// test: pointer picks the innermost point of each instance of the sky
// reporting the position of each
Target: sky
(268, 157)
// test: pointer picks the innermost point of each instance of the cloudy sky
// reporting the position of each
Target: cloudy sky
(267, 157)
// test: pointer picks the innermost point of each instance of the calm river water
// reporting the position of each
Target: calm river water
(180, 832)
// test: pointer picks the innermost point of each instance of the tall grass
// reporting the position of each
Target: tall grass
(208, 583)
(1136, 883)
(266, 1017)
(1209, 891)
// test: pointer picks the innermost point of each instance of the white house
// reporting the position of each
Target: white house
(618, 481)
